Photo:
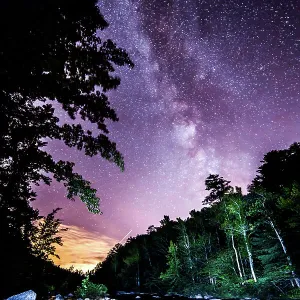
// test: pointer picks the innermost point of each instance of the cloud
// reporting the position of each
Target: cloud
(82, 249)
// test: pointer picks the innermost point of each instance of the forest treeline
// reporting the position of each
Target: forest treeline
(236, 245)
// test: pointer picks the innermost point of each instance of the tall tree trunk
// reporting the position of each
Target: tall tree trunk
(188, 249)
(249, 256)
(213, 279)
(242, 265)
(295, 278)
(206, 257)
(233, 267)
(236, 257)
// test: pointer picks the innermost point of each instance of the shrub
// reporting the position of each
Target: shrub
(90, 290)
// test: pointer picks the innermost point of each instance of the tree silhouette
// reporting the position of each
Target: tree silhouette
(217, 186)
(279, 170)
(52, 58)
(62, 62)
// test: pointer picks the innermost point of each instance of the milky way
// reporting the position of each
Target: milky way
(216, 84)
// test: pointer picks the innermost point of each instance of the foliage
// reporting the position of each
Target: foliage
(217, 186)
(70, 66)
(89, 289)
(63, 64)
(172, 273)
(44, 236)
(293, 294)
(239, 246)
(279, 170)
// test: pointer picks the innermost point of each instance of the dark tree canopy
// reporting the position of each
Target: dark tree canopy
(279, 170)
(51, 52)
(51, 56)
(217, 186)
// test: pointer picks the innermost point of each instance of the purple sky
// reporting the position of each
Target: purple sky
(216, 85)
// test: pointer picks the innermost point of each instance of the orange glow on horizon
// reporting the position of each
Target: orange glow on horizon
(82, 249)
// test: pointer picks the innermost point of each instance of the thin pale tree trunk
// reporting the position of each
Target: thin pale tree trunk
(206, 256)
(249, 256)
(188, 248)
(236, 257)
(285, 252)
(233, 266)
(242, 265)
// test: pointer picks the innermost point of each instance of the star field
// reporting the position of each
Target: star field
(216, 84)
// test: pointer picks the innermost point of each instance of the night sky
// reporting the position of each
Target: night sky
(216, 85)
